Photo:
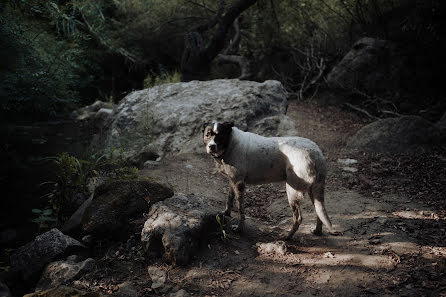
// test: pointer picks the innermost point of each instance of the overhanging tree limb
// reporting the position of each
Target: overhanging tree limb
(196, 60)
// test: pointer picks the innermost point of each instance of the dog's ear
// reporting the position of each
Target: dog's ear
(228, 124)
(204, 127)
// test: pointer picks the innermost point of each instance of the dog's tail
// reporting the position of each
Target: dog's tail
(316, 194)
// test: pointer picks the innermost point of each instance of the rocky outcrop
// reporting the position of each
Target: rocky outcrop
(176, 226)
(405, 134)
(370, 66)
(30, 259)
(98, 110)
(169, 117)
(64, 272)
(115, 202)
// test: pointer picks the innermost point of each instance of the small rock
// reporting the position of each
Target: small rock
(350, 169)
(31, 258)
(64, 272)
(347, 161)
(329, 255)
(115, 202)
(176, 226)
(158, 276)
(149, 164)
(278, 247)
(126, 289)
(179, 293)
(87, 239)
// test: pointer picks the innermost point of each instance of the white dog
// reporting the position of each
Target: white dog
(250, 158)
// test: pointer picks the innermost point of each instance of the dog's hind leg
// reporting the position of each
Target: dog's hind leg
(316, 194)
(294, 199)
(239, 189)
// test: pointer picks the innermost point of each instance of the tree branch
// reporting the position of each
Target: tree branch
(120, 50)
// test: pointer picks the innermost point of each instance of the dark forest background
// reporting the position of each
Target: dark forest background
(59, 55)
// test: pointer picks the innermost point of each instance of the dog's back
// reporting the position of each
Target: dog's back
(265, 159)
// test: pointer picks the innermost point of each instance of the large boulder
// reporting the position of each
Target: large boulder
(405, 134)
(169, 117)
(30, 259)
(63, 272)
(115, 202)
(370, 66)
(176, 226)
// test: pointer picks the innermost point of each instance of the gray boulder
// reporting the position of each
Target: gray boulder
(30, 259)
(63, 272)
(169, 117)
(369, 66)
(175, 227)
(115, 202)
(405, 134)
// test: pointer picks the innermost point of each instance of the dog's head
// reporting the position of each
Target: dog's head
(216, 137)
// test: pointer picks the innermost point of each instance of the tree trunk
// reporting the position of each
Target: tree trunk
(196, 59)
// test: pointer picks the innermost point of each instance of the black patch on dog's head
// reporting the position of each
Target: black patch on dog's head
(216, 137)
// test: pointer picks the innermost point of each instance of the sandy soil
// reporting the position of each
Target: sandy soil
(393, 242)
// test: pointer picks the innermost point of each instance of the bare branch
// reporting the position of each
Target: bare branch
(361, 111)
(120, 50)
(241, 61)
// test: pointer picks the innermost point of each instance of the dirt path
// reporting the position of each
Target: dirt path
(391, 245)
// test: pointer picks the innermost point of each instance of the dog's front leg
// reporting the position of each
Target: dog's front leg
(230, 201)
(239, 189)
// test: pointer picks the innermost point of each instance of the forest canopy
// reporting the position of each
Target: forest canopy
(56, 55)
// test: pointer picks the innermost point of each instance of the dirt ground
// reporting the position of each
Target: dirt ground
(391, 213)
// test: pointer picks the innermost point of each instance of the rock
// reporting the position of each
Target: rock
(405, 134)
(64, 272)
(176, 225)
(4, 290)
(278, 247)
(126, 289)
(96, 106)
(64, 291)
(31, 258)
(170, 117)
(87, 240)
(158, 276)
(115, 202)
(151, 164)
(350, 169)
(369, 66)
(74, 222)
(347, 161)
(179, 293)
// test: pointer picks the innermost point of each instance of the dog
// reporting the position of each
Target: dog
(248, 158)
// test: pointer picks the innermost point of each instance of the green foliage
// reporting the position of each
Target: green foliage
(74, 175)
(42, 71)
(163, 78)
(223, 228)
(44, 218)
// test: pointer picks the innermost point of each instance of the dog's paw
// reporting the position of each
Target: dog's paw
(334, 232)
(238, 228)
(317, 232)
